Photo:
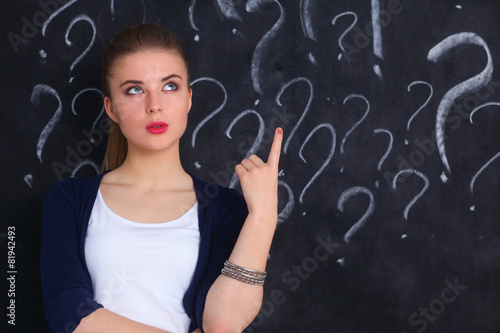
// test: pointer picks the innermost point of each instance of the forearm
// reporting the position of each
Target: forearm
(105, 321)
(231, 303)
(254, 242)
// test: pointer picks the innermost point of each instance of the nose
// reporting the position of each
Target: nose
(154, 104)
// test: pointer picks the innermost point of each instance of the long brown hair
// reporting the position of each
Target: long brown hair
(141, 37)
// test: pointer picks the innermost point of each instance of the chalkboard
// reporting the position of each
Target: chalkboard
(389, 177)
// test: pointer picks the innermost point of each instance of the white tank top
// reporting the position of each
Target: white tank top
(142, 270)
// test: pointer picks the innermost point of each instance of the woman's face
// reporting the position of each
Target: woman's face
(150, 99)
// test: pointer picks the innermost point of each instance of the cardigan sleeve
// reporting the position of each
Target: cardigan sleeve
(230, 213)
(66, 284)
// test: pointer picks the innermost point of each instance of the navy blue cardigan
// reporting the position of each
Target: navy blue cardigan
(66, 283)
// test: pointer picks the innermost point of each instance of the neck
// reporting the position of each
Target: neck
(153, 169)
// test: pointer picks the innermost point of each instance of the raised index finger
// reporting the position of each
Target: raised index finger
(274, 155)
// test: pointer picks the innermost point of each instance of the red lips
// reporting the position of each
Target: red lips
(157, 127)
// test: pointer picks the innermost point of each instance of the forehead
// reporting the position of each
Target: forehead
(151, 63)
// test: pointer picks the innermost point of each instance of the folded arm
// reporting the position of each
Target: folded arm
(105, 321)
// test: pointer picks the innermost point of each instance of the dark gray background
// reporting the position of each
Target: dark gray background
(392, 268)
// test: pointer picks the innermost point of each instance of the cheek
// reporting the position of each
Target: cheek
(124, 109)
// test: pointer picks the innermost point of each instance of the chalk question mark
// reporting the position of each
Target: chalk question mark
(389, 147)
(306, 109)
(491, 160)
(68, 42)
(213, 113)
(38, 90)
(421, 106)
(82, 92)
(257, 142)
(367, 111)
(260, 53)
(347, 30)
(353, 191)
(387, 152)
(460, 90)
(419, 195)
(327, 160)
(209, 116)
(54, 14)
(102, 109)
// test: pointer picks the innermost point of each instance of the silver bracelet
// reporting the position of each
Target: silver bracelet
(246, 275)
(245, 271)
(242, 278)
(243, 274)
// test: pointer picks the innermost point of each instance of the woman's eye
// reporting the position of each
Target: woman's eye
(134, 91)
(170, 86)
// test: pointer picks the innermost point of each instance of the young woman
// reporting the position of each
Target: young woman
(145, 246)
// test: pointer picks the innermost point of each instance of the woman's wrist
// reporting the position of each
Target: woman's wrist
(262, 217)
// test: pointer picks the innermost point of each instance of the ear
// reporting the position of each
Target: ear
(109, 109)
(190, 100)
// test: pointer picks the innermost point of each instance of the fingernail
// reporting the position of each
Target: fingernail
(280, 130)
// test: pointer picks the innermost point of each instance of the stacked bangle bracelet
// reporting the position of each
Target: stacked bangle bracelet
(243, 274)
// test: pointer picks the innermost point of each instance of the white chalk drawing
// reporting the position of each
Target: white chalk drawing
(355, 20)
(327, 160)
(460, 90)
(349, 193)
(377, 30)
(103, 109)
(54, 14)
(419, 195)
(389, 146)
(43, 89)
(306, 109)
(213, 113)
(228, 9)
(308, 18)
(491, 160)
(257, 142)
(261, 52)
(287, 210)
(367, 111)
(421, 106)
(68, 42)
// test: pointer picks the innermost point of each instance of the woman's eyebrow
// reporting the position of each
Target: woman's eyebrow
(131, 81)
(166, 78)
